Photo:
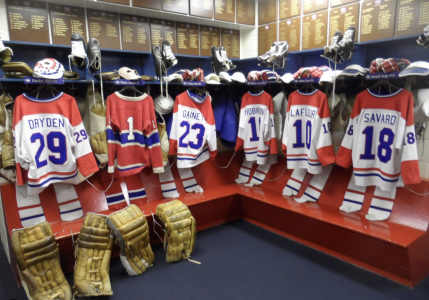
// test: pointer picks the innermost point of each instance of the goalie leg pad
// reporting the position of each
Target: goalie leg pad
(131, 231)
(93, 251)
(180, 227)
(38, 263)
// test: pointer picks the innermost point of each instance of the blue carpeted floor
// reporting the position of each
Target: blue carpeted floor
(243, 261)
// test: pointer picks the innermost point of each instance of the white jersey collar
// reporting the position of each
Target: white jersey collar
(385, 95)
(43, 100)
(139, 98)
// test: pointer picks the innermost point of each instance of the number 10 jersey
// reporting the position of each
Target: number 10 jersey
(307, 140)
(50, 142)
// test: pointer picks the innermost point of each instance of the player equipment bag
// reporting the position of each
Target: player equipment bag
(39, 263)
(92, 252)
(131, 231)
(180, 230)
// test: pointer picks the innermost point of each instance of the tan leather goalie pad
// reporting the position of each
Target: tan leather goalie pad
(39, 264)
(93, 250)
(131, 231)
(180, 230)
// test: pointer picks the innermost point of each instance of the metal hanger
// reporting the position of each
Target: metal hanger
(307, 86)
(383, 82)
(44, 86)
(130, 88)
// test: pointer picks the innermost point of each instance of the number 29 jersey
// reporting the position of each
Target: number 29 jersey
(193, 130)
(50, 142)
(380, 141)
(307, 140)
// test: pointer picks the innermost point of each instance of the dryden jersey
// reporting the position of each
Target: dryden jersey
(380, 141)
(132, 134)
(256, 131)
(50, 142)
(193, 131)
(307, 140)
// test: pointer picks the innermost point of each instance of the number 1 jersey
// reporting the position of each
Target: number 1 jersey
(380, 140)
(132, 135)
(307, 140)
(50, 142)
(193, 131)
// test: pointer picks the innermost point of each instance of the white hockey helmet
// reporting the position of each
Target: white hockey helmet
(48, 68)
(163, 104)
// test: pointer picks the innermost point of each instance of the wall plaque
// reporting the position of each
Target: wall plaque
(267, 34)
(267, 11)
(377, 20)
(66, 20)
(246, 12)
(202, 8)
(341, 2)
(225, 10)
(290, 31)
(289, 8)
(177, 6)
(188, 39)
(342, 18)
(314, 5)
(231, 42)
(135, 33)
(163, 30)
(125, 2)
(314, 30)
(210, 36)
(28, 21)
(153, 4)
(104, 26)
(412, 16)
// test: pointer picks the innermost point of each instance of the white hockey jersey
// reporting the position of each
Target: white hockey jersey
(380, 141)
(256, 131)
(307, 140)
(193, 130)
(50, 142)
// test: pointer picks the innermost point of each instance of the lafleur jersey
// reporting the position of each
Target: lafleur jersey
(256, 132)
(132, 134)
(307, 140)
(380, 141)
(50, 142)
(193, 130)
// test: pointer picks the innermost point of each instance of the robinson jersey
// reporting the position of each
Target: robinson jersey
(193, 130)
(256, 131)
(380, 141)
(132, 134)
(307, 140)
(50, 142)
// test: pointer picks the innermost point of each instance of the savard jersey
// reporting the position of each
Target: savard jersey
(307, 140)
(256, 131)
(380, 140)
(51, 143)
(193, 131)
(132, 134)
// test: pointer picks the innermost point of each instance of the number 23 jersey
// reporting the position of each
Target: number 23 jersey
(50, 142)
(380, 140)
(193, 131)
(307, 139)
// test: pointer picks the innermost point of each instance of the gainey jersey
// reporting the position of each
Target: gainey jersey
(132, 134)
(193, 130)
(50, 142)
(380, 140)
(307, 140)
(256, 131)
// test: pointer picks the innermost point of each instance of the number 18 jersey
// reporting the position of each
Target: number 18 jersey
(380, 140)
(307, 140)
(50, 142)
